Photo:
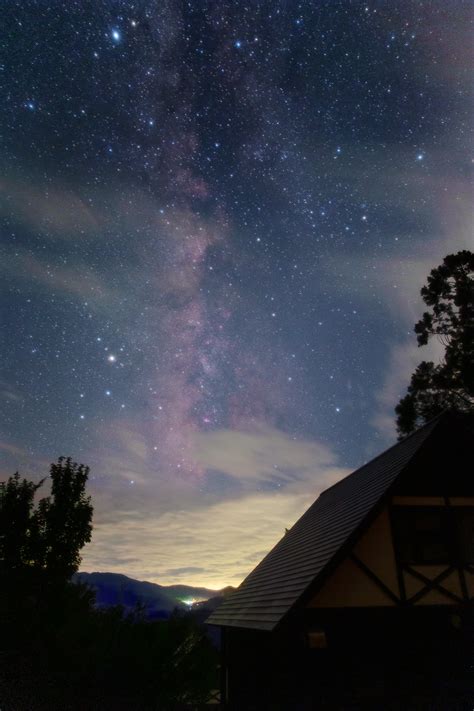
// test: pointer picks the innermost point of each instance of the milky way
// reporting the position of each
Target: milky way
(216, 219)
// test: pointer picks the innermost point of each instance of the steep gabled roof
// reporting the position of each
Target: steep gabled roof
(305, 552)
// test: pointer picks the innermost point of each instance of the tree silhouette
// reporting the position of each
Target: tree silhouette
(433, 388)
(58, 650)
(50, 536)
(16, 522)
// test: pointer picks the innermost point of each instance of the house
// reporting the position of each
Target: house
(368, 598)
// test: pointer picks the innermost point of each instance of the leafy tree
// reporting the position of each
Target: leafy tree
(50, 536)
(57, 650)
(449, 294)
(16, 519)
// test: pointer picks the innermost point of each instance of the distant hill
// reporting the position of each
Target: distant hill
(202, 610)
(159, 601)
(188, 592)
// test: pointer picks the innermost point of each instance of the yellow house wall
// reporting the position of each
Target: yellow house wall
(349, 586)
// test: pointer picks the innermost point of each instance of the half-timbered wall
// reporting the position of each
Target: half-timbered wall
(373, 575)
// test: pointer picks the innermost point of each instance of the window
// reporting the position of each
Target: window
(422, 535)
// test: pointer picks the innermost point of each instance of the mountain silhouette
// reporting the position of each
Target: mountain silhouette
(157, 601)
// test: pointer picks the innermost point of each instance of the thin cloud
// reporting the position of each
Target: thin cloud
(174, 524)
(77, 280)
(227, 538)
(48, 209)
(263, 455)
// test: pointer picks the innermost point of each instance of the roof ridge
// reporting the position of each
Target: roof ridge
(286, 574)
(431, 422)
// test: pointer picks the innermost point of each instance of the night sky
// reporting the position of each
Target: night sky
(216, 220)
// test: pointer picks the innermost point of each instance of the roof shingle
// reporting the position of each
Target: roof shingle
(275, 585)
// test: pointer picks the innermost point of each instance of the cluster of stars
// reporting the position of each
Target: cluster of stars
(214, 191)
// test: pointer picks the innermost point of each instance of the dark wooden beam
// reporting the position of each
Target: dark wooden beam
(398, 563)
(370, 574)
(454, 542)
(432, 585)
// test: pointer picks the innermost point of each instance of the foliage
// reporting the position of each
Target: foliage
(16, 522)
(449, 294)
(58, 651)
(50, 536)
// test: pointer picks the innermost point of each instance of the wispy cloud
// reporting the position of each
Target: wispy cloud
(74, 279)
(46, 208)
(227, 538)
(173, 523)
(265, 455)
(10, 393)
(409, 274)
(13, 449)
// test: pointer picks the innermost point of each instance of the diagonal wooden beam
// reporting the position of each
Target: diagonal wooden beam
(452, 520)
(398, 563)
(431, 585)
(370, 574)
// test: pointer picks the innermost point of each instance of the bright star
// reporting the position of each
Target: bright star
(111, 358)
(238, 44)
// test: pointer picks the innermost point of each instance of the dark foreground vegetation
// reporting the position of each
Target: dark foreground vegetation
(57, 651)
(448, 384)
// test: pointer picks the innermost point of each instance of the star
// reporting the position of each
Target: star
(170, 176)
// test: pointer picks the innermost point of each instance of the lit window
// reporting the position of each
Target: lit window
(317, 639)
